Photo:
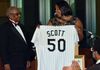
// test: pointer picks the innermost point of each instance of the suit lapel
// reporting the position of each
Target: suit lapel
(17, 33)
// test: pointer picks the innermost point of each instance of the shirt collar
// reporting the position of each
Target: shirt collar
(13, 22)
(98, 61)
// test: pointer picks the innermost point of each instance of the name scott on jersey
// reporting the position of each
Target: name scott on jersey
(55, 33)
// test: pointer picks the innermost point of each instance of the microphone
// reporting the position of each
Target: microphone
(91, 35)
(55, 14)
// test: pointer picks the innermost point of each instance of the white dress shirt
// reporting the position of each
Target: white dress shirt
(98, 61)
(18, 29)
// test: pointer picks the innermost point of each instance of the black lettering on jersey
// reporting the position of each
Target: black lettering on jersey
(53, 45)
(55, 33)
(61, 48)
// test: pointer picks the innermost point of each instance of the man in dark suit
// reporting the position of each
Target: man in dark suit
(15, 51)
(96, 55)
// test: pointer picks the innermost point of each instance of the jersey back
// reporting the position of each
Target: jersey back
(55, 46)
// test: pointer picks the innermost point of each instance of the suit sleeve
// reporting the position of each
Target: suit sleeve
(4, 45)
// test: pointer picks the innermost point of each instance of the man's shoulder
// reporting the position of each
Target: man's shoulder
(94, 67)
(4, 26)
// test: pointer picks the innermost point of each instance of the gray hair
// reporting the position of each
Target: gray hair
(11, 9)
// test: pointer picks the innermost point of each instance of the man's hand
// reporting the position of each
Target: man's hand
(67, 68)
(7, 67)
(28, 64)
(74, 66)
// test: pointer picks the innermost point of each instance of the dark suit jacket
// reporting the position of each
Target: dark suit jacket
(94, 67)
(12, 46)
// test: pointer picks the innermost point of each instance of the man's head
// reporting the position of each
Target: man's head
(13, 13)
(96, 49)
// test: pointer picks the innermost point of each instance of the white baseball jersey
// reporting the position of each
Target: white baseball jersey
(55, 46)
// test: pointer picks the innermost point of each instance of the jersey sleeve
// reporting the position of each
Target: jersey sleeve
(76, 37)
(35, 35)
